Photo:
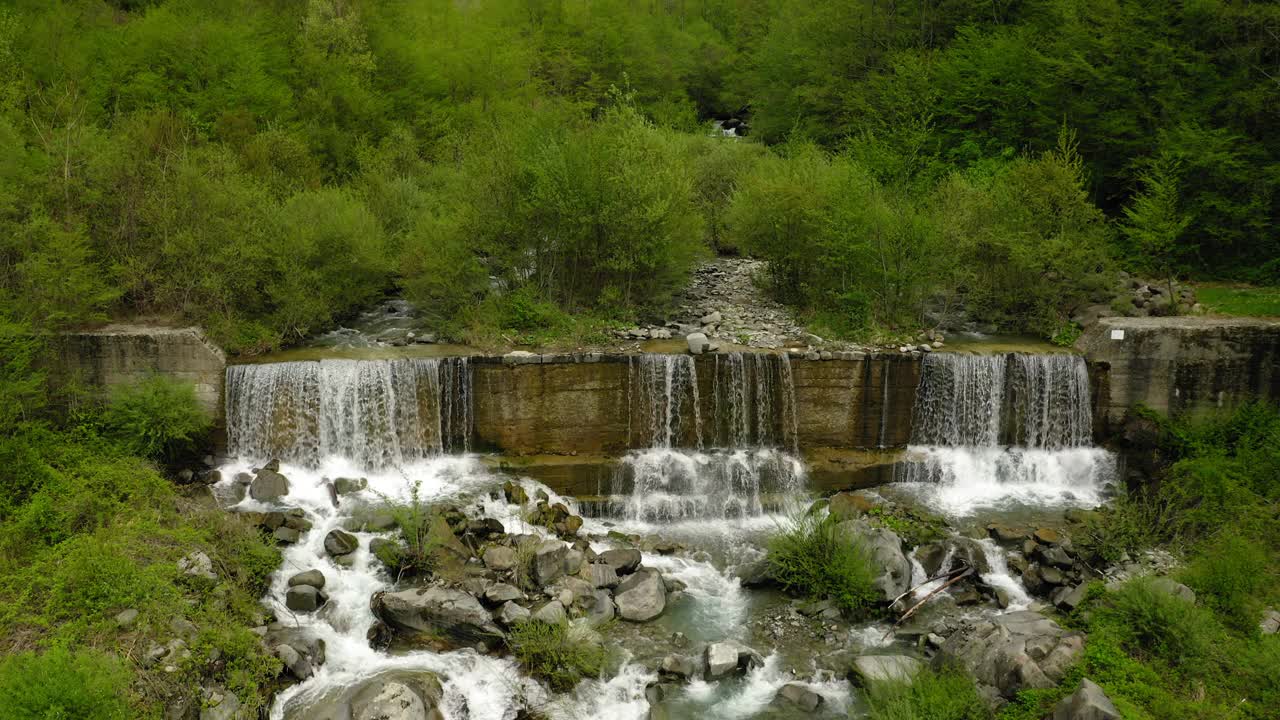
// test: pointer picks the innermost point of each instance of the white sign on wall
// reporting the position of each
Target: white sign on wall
(1117, 334)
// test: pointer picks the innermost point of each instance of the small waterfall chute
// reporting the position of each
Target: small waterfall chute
(377, 413)
(996, 429)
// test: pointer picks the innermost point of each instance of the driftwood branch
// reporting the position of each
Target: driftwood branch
(966, 573)
(926, 581)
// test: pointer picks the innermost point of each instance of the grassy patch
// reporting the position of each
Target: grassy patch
(96, 532)
(812, 557)
(560, 653)
(1240, 300)
(946, 695)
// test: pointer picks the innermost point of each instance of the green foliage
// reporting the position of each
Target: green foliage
(59, 683)
(1154, 224)
(946, 695)
(560, 653)
(415, 520)
(158, 417)
(812, 556)
(87, 532)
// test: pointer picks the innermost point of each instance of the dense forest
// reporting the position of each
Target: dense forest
(263, 168)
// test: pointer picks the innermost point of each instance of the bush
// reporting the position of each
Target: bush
(560, 653)
(157, 418)
(812, 556)
(1228, 574)
(1156, 625)
(62, 685)
(946, 695)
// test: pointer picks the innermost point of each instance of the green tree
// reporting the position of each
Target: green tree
(1155, 224)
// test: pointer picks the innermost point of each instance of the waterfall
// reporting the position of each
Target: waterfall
(376, 413)
(723, 460)
(994, 429)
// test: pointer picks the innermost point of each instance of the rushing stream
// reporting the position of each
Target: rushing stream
(716, 468)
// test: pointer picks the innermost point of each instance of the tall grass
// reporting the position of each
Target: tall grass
(811, 556)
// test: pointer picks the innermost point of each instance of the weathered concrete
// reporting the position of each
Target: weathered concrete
(125, 354)
(560, 405)
(1180, 364)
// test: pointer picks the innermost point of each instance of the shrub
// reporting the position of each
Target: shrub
(946, 695)
(418, 527)
(1227, 574)
(1156, 625)
(560, 653)
(62, 685)
(156, 418)
(812, 556)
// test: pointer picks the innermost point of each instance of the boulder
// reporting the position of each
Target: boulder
(1270, 624)
(304, 598)
(500, 593)
(884, 549)
(1010, 652)
(268, 485)
(1087, 703)
(510, 614)
(388, 701)
(681, 666)
(436, 609)
(338, 543)
(697, 343)
(551, 613)
(755, 574)
(219, 704)
(710, 318)
(549, 561)
(601, 610)
(600, 575)
(346, 485)
(500, 558)
(1068, 599)
(197, 564)
(314, 578)
(721, 659)
(622, 560)
(297, 665)
(849, 505)
(642, 596)
(799, 695)
(869, 669)
(1169, 586)
(126, 618)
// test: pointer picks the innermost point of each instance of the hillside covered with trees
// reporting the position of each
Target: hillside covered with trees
(264, 168)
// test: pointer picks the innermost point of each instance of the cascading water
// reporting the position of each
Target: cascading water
(377, 413)
(991, 430)
(752, 414)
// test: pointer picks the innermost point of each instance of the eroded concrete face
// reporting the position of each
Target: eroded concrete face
(1180, 364)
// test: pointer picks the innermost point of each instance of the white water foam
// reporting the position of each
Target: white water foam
(960, 481)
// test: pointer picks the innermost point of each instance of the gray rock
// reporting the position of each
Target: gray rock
(297, 665)
(548, 561)
(313, 577)
(600, 575)
(721, 659)
(268, 485)
(1068, 599)
(1169, 586)
(219, 704)
(642, 596)
(869, 669)
(304, 598)
(338, 543)
(622, 560)
(500, 593)
(681, 666)
(551, 613)
(697, 343)
(286, 535)
(1009, 652)
(710, 318)
(799, 695)
(1270, 624)
(573, 560)
(510, 614)
(601, 610)
(126, 618)
(884, 549)
(1087, 703)
(389, 701)
(346, 485)
(197, 564)
(437, 609)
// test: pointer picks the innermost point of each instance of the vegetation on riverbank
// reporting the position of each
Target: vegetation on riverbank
(1240, 300)
(265, 170)
(89, 531)
(812, 556)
